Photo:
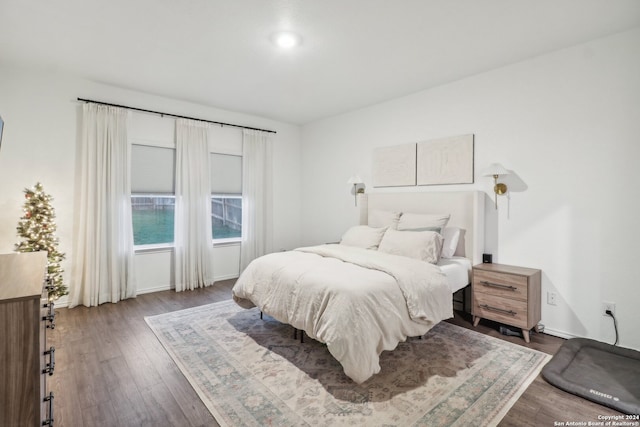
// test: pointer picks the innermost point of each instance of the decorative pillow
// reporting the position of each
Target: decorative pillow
(422, 245)
(363, 236)
(423, 222)
(451, 237)
(380, 218)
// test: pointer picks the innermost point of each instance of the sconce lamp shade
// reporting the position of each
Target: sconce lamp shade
(354, 180)
(495, 169)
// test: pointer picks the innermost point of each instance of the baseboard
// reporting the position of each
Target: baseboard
(169, 287)
(225, 277)
(63, 302)
(154, 289)
(560, 334)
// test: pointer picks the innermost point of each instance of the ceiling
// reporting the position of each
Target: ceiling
(354, 53)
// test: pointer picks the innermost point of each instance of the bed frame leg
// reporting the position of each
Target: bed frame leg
(464, 299)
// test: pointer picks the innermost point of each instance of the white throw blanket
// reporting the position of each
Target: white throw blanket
(357, 301)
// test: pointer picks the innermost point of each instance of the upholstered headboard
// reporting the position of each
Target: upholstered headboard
(466, 209)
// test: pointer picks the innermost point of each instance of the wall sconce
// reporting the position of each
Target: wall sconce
(355, 181)
(495, 170)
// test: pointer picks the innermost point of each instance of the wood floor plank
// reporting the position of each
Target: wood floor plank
(124, 393)
(111, 370)
(165, 410)
(89, 392)
(102, 414)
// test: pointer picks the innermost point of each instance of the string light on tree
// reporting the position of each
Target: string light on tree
(37, 229)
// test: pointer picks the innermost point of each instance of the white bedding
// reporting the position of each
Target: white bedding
(458, 272)
(359, 302)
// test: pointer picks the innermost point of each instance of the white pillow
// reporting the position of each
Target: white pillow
(363, 236)
(423, 222)
(451, 237)
(422, 245)
(380, 218)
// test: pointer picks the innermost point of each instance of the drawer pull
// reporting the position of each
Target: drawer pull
(51, 319)
(49, 367)
(50, 316)
(497, 285)
(500, 310)
(49, 420)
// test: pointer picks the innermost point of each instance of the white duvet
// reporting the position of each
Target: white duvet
(357, 301)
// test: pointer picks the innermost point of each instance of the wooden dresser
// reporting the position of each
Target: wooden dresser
(25, 360)
(506, 294)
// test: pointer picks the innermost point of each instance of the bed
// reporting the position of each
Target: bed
(361, 298)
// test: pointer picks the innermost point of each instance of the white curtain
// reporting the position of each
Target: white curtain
(103, 245)
(257, 210)
(192, 228)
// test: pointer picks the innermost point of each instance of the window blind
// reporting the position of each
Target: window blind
(152, 169)
(226, 174)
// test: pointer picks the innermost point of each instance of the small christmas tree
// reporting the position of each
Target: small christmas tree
(37, 229)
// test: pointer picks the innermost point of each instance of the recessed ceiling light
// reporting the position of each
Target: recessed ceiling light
(286, 39)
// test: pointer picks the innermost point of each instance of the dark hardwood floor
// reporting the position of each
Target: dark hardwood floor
(112, 371)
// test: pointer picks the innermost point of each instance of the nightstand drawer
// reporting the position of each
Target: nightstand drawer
(500, 284)
(504, 310)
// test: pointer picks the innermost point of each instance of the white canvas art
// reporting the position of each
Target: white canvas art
(394, 166)
(445, 161)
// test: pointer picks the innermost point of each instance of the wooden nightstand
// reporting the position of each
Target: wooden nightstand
(506, 294)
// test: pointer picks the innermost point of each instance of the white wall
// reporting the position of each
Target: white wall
(567, 123)
(39, 144)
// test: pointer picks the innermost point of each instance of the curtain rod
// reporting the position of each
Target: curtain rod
(174, 115)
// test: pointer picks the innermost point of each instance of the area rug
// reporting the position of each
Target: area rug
(252, 372)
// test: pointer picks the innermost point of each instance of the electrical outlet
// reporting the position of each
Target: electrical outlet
(611, 306)
(551, 298)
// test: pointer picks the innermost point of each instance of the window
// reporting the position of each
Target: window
(226, 217)
(153, 217)
(152, 195)
(226, 197)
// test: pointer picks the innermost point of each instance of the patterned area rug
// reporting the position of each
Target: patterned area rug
(252, 372)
